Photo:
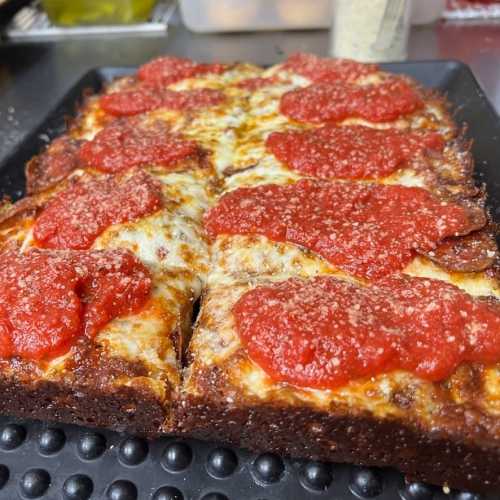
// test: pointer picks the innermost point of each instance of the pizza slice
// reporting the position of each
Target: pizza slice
(197, 101)
(99, 275)
(255, 381)
(306, 92)
(352, 306)
(298, 351)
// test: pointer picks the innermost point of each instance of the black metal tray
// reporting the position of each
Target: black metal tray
(54, 461)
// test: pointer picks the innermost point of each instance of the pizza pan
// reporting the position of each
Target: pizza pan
(64, 462)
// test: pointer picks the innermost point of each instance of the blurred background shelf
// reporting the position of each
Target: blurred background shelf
(32, 23)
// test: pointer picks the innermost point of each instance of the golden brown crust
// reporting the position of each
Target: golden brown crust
(91, 387)
(453, 408)
(362, 439)
(449, 174)
(124, 409)
(13, 213)
(87, 363)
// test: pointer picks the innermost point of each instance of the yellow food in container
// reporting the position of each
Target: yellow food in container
(88, 12)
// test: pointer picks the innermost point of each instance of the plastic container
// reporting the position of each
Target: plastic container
(207, 16)
(250, 15)
(91, 12)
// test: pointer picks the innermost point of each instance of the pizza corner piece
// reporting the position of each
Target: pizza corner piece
(325, 213)
(295, 355)
(99, 277)
(444, 432)
(100, 271)
(334, 325)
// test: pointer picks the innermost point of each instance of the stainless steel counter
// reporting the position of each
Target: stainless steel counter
(33, 77)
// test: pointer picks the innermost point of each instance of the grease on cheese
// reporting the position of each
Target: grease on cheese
(242, 258)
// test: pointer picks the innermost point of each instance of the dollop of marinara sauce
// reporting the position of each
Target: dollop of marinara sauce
(169, 69)
(74, 218)
(322, 69)
(127, 143)
(145, 98)
(50, 298)
(350, 152)
(367, 230)
(333, 102)
(324, 332)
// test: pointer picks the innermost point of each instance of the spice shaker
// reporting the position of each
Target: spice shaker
(370, 30)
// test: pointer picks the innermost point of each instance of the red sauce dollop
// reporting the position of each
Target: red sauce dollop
(74, 218)
(367, 230)
(324, 332)
(170, 69)
(143, 99)
(131, 102)
(350, 152)
(126, 143)
(333, 102)
(50, 298)
(322, 69)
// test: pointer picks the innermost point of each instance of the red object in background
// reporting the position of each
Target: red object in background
(457, 4)
(478, 36)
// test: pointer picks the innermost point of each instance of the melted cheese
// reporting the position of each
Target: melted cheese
(247, 258)
(216, 343)
(476, 284)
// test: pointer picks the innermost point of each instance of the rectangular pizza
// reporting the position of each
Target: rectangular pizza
(324, 213)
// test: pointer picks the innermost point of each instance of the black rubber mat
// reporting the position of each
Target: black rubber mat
(39, 460)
